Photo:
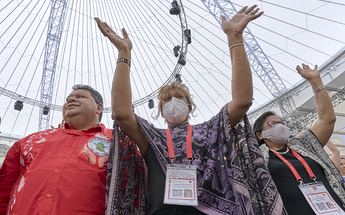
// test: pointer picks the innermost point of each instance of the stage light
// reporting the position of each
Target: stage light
(151, 104)
(18, 105)
(45, 110)
(182, 60)
(178, 78)
(176, 49)
(188, 36)
(175, 10)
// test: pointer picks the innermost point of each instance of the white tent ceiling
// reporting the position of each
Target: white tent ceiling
(290, 33)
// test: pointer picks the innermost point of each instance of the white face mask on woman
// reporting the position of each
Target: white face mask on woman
(175, 111)
(279, 134)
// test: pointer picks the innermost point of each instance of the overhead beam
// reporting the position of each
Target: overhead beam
(258, 60)
(301, 118)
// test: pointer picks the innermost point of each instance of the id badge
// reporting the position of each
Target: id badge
(180, 185)
(319, 199)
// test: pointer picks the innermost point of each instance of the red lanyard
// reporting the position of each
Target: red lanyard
(188, 142)
(293, 170)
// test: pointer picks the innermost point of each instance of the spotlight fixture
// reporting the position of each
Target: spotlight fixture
(182, 60)
(175, 10)
(176, 49)
(18, 105)
(151, 104)
(178, 78)
(45, 110)
(188, 36)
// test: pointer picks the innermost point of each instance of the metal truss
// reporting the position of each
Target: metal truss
(256, 56)
(55, 27)
(51, 53)
(178, 67)
(3, 149)
(27, 100)
(5, 144)
(299, 122)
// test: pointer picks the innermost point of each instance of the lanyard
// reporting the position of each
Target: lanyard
(188, 143)
(292, 168)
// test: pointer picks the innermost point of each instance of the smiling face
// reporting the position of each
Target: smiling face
(81, 109)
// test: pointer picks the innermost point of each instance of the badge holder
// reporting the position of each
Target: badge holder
(315, 192)
(319, 199)
(180, 183)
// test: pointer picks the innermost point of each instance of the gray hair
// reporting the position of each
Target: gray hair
(95, 94)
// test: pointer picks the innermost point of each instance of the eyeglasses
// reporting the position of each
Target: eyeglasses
(272, 123)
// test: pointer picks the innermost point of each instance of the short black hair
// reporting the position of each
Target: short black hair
(95, 94)
(259, 123)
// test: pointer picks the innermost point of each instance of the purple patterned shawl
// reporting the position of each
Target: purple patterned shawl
(126, 173)
(229, 181)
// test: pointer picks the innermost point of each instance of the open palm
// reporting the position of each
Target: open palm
(307, 73)
(240, 20)
(120, 43)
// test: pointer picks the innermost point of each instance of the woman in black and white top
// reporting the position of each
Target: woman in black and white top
(299, 161)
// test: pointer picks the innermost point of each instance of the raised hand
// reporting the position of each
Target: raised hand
(124, 43)
(237, 24)
(307, 73)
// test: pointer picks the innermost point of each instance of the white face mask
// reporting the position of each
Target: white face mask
(175, 111)
(279, 134)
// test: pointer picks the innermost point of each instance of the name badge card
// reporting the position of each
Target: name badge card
(319, 199)
(180, 185)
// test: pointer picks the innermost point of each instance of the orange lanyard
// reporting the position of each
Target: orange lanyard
(188, 143)
(292, 168)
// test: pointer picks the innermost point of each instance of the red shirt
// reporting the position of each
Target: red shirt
(60, 171)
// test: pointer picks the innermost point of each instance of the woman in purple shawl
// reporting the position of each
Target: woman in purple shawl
(231, 176)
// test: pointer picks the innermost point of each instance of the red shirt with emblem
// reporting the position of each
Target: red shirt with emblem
(58, 171)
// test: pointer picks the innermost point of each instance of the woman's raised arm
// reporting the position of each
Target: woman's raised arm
(323, 128)
(121, 94)
(241, 84)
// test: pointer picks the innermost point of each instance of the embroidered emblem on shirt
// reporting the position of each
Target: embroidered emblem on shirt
(99, 146)
(96, 152)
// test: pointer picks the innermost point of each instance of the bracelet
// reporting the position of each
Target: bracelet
(238, 44)
(319, 89)
(124, 60)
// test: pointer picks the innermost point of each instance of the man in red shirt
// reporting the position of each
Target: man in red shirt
(63, 170)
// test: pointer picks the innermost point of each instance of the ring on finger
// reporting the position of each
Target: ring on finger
(107, 29)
